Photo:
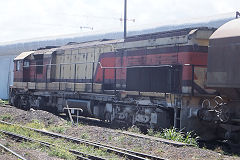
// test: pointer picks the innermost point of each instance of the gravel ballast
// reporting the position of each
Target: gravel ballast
(113, 137)
(31, 154)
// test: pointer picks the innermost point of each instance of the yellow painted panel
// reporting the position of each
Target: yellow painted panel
(31, 85)
(53, 86)
(80, 87)
(41, 86)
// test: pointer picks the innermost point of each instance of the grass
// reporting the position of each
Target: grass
(175, 135)
(134, 129)
(7, 145)
(84, 136)
(138, 149)
(170, 134)
(4, 102)
(52, 151)
(31, 145)
(61, 144)
(121, 139)
(57, 129)
(68, 123)
(179, 136)
(110, 138)
(6, 117)
(36, 124)
(61, 153)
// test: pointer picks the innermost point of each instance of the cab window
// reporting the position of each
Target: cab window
(26, 64)
(17, 65)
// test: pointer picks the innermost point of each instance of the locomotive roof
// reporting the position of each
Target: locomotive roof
(45, 51)
(90, 43)
(229, 29)
(23, 55)
(72, 45)
(172, 33)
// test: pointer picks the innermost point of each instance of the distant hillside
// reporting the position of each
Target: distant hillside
(17, 48)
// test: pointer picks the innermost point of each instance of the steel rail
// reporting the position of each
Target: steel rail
(166, 141)
(120, 151)
(79, 155)
(12, 152)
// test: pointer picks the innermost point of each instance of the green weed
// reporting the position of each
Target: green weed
(61, 153)
(36, 124)
(109, 138)
(4, 102)
(57, 129)
(6, 117)
(84, 136)
(134, 129)
(175, 135)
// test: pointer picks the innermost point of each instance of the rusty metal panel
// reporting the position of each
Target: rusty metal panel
(200, 80)
(224, 56)
(223, 63)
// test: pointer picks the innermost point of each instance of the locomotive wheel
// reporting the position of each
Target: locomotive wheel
(143, 129)
(235, 147)
(107, 117)
(15, 101)
(129, 121)
(25, 106)
(19, 102)
(115, 124)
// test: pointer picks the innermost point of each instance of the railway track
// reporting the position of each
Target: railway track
(111, 149)
(99, 123)
(12, 152)
(79, 155)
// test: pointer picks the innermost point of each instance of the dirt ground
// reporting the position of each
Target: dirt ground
(23, 117)
(113, 137)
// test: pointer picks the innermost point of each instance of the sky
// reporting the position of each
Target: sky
(30, 19)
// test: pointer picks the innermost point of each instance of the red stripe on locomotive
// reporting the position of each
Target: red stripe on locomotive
(187, 59)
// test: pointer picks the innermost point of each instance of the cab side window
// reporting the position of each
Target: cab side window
(17, 65)
(26, 64)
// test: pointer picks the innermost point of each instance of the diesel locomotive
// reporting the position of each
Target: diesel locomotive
(187, 78)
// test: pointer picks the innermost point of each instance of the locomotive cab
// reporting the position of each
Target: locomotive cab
(21, 67)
